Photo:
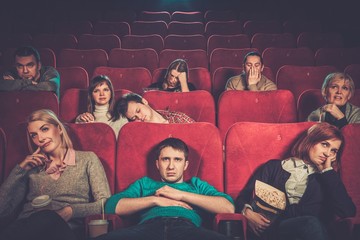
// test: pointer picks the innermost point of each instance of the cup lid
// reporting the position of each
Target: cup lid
(98, 222)
(41, 201)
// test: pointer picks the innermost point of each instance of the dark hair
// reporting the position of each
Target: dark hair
(123, 103)
(175, 143)
(315, 134)
(253, 54)
(180, 65)
(26, 51)
(96, 81)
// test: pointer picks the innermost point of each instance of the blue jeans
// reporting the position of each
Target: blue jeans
(163, 228)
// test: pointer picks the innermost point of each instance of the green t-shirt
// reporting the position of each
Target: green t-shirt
(145, 187)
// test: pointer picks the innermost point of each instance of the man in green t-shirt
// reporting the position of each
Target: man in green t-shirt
(171, 208)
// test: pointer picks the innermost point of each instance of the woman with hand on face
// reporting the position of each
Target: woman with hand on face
(337, 90)
(176, 78)
(313, 189)
(74, 180)
(101, 101)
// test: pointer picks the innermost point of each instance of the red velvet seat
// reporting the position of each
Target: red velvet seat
(186, 28)
(88, 59)
(120, 29)
(227, 41)
(153, 41)
(354, 71)
(76, 28)
(200, 77)
(134, 79)
(248, 106)
(15, 106)
(316, 40)
(72, 77)
(194, 58)
(261, 41)
(128, 58)
(233, 27)
(2, 153)
(56, 42)
(182, 16)
(154, 16)
(300, 78)
(338, 57)
(185, 42)
(105, 42)
(149, 27)
(302, 25)
(201, 111)
(262, 26)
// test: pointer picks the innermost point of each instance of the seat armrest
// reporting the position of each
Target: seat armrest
(230, 217)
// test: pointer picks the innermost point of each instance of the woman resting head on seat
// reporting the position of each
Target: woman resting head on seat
(313, 190)
(101, 101)
(176, 78)
(136, 108)
(337, 90)
(74, 180)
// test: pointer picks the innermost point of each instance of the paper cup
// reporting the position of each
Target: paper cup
(41, 202)
(98, 227)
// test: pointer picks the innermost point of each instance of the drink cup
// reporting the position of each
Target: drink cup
(98, 227)
(41, 202)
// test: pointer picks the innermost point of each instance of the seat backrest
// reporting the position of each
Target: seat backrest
(354, 71)
(15, 106)
(261, 41)
(181, 16)
(186, 28)
(88, 59)
(134, 79)
(248, 106)
(248, 145)
(185, 42)
(220, 15)
(227, 41)
(262, 26)
(338, 57)
(194, 58)
(105, 42)
(314, 41)
(129, 58)
(149, 27)
(350, 165)
(233, 27)
(222, 75)
(154, 16)
(2, 153)
(303, 25)
(200, 77)
(278, 57)
(136, 157)
(73, 77)
(198, 104)
(120, 29)
(56, 42)
(153, 41)
(76, 28)
(300, 78)
(225, 57)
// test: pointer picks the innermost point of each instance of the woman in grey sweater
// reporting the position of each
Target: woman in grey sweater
(74, 180)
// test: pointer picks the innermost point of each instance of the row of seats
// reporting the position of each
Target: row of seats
(233, 106)
(131, 158)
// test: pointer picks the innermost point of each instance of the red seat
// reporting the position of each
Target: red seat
(222, 75)
(220, 15)
(73, 77)
(105, 42)
(278, 57)
(299, 78)
(200, 77)
(277, 106)
(227, 41)
(354, 71)
(153, 41)
(261, 41)
(185, 42)
(155, 16)
(15, 106)
(134, 79)
(149, 27)
(262, 26)
(76, 28)
(303, 25)
(338, 57)
(186, 28)
(233, 27)
(2, 154)
(56, 42)
(194, 58)
(181, 16)
(129, 58)
(202, 111)
(88, 59)
(120, 29)
(223, 57)
(316, 40)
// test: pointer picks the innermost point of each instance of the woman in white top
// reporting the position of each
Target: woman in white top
(101, 101)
